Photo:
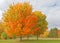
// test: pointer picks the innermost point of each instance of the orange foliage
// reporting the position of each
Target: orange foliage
(21, 20)
(35, 30)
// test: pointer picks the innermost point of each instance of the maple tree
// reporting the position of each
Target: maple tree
(42, 23)
(19, 20)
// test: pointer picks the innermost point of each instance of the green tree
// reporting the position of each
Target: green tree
(42, 23)
(53, 33)
(3, 35)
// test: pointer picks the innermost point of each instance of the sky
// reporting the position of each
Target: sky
(51, 8)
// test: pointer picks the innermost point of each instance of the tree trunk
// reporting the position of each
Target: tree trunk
(20, 38)
(28, 37)
(37, 36)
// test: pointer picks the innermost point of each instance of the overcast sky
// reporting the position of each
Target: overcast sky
(49, 7)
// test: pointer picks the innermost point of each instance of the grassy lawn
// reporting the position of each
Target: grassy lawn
(30, 41)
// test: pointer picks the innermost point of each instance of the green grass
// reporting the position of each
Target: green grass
(30, 41)
(41, 41)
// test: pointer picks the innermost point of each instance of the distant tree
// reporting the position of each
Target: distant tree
(3, 35)
(53, 33)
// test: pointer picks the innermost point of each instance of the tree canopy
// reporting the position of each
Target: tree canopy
(20, 20)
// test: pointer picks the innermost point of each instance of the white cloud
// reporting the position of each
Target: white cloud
(53, 17)
(1, 1)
